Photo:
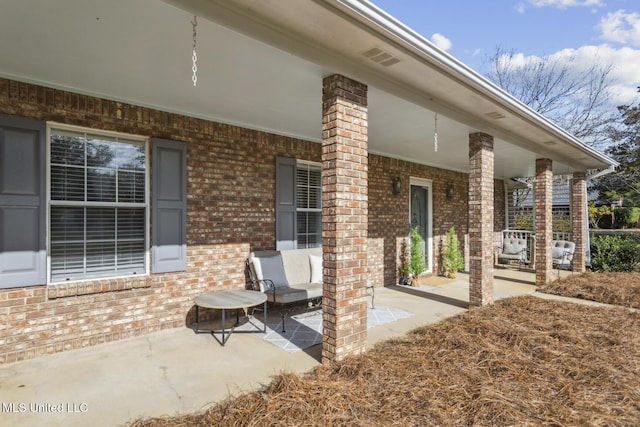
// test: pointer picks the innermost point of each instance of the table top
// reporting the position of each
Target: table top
(230, 299)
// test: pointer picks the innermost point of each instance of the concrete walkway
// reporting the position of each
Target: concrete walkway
(177, 371)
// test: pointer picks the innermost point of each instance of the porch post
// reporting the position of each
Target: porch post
(344, 217)
(579, 220)
(543, 220)
(481, 165)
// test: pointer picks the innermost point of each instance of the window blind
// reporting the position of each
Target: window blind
(308, 205)
(98, 206)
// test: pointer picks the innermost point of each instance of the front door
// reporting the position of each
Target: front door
(420, 215)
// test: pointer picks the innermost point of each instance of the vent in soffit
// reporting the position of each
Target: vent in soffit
(381, 57)
(495, 115)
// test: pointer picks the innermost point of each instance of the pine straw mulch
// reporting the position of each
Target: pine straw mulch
(521, 361)
(609, 288)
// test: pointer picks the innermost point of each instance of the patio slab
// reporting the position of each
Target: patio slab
(177, 371)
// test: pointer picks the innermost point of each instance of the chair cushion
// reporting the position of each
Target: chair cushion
(271, 268)
(297, 293)
(316, 268)
(513, 246)
(558, 251)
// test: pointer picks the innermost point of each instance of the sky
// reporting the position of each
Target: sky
(472, 30)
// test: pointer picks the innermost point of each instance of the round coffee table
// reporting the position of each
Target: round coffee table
(231, 299)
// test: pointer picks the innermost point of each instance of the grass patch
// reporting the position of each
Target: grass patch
(521, 361)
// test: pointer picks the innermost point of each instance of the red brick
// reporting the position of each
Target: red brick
(543, 220)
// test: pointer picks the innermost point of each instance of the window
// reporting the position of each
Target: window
(98, 205)
(298, 204)
(308, 204)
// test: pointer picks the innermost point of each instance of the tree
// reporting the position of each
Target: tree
(452, 259)
(416, 263)
(596, 213)
(624, 184)
(574, 98)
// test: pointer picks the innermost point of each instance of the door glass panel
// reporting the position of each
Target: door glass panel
(420, 214)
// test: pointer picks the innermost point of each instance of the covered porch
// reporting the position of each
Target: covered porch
(176, 371)
(336, 86)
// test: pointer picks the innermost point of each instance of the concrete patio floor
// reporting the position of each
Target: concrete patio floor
(176, 371)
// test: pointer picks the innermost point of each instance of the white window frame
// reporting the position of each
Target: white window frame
(306, 163)
(147, 205)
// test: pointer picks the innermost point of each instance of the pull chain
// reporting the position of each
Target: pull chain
(194, 57)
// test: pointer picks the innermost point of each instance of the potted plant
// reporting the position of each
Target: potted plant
(452, 259)
(415, 263)
(404, 255)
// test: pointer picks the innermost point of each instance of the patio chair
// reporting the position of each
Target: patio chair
(514, 249)
(562, 254)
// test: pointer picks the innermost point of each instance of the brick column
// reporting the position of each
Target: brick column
(481, 165)
(579, 219)
(543, 220)
(344, 217)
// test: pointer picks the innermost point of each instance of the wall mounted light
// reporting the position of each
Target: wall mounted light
(449, 192)
(396, 186)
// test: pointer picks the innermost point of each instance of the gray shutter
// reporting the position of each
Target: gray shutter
(169, 201)
(22, 202)
(285, 203)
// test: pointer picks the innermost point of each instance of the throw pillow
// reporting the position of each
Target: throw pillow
(316, 268)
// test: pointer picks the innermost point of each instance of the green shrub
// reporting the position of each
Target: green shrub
(562, 223)
(523, 221)
(626, 217)
(615, 252)
(416, 263)
(452, 259)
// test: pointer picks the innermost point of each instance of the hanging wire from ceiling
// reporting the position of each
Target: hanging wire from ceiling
(435, 132)
(194, 57)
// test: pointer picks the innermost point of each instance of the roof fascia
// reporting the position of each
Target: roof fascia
(386, 25)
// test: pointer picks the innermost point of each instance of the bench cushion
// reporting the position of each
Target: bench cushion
(271, 268)
(296, 264)
(296, 293)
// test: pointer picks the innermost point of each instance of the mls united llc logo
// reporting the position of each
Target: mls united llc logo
(33, 407)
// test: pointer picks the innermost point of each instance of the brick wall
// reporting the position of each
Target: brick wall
(389, 213)
(229, 213)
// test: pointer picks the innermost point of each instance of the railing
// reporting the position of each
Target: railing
(530, 237)
(561, 235)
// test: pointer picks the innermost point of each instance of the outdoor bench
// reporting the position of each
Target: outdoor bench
(290, 277)
(513, 249)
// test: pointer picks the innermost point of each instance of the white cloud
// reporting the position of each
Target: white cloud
(558, 4)
(621, 27)
(623, 75)
(441, 41)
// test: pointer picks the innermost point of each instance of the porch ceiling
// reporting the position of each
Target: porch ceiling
(260, 65)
